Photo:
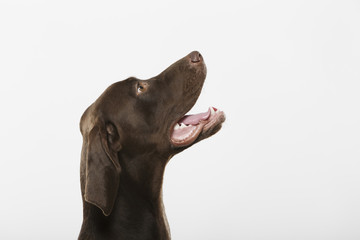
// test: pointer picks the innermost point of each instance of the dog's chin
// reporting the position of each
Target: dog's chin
(194, 128)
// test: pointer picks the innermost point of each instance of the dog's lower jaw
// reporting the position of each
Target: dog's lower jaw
(138, 212)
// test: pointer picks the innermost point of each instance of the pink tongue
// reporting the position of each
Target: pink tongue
(196, 118)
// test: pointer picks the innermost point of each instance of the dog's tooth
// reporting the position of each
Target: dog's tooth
(176, 127)
(212, 111)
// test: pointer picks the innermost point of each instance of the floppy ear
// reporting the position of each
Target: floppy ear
(102, 168)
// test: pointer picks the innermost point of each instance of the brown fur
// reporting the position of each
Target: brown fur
(126, 145)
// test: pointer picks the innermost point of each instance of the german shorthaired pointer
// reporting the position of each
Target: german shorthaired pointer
(129, 134)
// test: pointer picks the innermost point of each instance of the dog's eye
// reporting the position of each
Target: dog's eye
(141, 87)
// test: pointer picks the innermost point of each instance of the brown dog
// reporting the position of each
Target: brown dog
(129, 134)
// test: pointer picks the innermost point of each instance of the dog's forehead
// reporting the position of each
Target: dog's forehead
(110, 101)
(120, 88)
(117, 96)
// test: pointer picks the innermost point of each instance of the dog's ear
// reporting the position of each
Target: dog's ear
(102, 167)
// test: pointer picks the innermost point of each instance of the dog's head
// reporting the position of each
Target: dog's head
(137, 117)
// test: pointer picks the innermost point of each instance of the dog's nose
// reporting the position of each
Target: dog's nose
(195, 56)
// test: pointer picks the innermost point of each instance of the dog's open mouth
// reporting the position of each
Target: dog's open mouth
(189, 127)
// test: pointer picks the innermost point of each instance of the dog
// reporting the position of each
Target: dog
(129, 134)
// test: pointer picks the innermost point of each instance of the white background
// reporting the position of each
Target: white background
(286, 164)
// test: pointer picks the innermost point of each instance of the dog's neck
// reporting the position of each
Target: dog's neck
(138, 212)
